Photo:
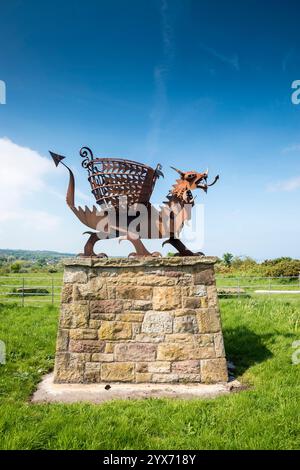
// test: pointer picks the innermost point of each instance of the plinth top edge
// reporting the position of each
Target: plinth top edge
(94, 262)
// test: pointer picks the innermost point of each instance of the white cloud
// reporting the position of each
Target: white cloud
(22, 175)
(288, 185)
(29, 219)
(22, 171)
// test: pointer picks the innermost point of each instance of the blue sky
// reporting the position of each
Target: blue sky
(189, 83)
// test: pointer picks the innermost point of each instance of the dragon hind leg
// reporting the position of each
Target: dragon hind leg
(89, 246)
(140, 249)
(181, 248)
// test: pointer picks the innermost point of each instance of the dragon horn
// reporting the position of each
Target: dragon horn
(178, 171)
(158, 171)
(214, 181)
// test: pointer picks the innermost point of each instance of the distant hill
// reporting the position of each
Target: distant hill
(33, 255)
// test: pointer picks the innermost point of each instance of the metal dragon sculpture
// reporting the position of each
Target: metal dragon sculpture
(122, 188)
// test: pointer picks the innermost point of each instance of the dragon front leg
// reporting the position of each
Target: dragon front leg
(89, 246)
(181, 248)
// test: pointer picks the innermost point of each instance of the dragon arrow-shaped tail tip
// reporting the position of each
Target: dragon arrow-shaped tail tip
(56, 158)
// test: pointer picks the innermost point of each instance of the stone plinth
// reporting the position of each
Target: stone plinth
(138, 320)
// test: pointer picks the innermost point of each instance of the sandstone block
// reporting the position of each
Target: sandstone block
(219, 345)
(183, 352)
(67, 293)
(62, 340)
(109, 347)
(180, 338)
(135, 352)
(102, 316)
(118, 372)
(86, 346)
(106, 306)
(136, 329)
(76, 293)
(74, 315)
(149, 338)
(111, 293)
(134, 292)
(174, 352)
(92, 372)
(204, 340)
(191, 302)
(68, 369)
(205, 276)
(130, 316)
(212, 297)
(75, 275)
(165, 378)
(141, 305)
(208, 321)
(143, 377)
(186, 324)
(80, 333)
(214, 370)
(188, 378)
(149, 279)
(184, 311)
(141, 367)
(159, 367)
(93, 290)
(102, 357)
(200, 291)
(66, 317)
(94, 324)
(157, 322)
(166, 298)
(187, 291)
(115, 330)
(186, 367)
(205, 352)
(185, 280)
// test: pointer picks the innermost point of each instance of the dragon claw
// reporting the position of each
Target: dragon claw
(156, 254)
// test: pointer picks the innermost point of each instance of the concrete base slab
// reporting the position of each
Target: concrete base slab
(48, 392)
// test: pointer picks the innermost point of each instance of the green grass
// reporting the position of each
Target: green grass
(258, 334)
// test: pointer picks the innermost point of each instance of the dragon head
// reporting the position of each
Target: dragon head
(190, 180)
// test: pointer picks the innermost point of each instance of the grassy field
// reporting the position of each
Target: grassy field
(11, 282)
(258, 334)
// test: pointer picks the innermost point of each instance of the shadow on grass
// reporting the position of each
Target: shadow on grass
(245, 348)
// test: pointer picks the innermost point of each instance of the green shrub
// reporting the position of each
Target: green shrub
(16, 267)
(286, 268)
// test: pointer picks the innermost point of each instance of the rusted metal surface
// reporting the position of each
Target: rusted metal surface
(115, 180)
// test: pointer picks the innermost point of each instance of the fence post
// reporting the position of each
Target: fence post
(52, 282)
(239, 287)
(270, 286)
(23, 292)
